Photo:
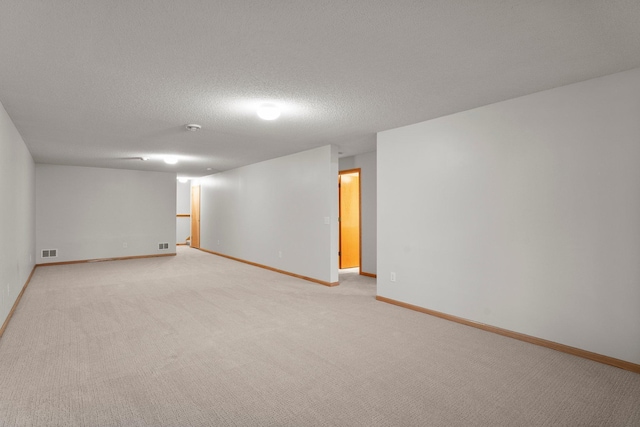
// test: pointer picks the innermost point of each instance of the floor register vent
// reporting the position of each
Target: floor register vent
(49, 253)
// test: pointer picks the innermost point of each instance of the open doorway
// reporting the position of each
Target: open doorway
(195, 216)
(349, 214)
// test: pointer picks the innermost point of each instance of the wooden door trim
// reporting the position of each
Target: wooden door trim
(347, 172)
(195, 217)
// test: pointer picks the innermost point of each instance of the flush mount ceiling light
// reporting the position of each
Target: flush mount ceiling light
(171, 160)
(193, 127)
(268, 112)
(183, 179)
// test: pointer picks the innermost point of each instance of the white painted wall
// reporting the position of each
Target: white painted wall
(523, 215)
(183, 206)
(17, 214)
(368, 204)
(257, 211)
(90, 213)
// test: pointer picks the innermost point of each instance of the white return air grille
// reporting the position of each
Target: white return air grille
(49, 253)
(163, 246)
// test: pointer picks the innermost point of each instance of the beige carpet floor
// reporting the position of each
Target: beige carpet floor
(199, 340)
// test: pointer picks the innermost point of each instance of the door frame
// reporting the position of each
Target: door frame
(195, 217)
(346, 172)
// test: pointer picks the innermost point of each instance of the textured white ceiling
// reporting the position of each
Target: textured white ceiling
(93, 82)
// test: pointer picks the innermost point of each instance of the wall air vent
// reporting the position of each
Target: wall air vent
(162, 246)
(49, 253)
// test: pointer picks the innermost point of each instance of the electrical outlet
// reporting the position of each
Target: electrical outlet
(279, 254)
(393, 277)
(124, 245)
(218, 242)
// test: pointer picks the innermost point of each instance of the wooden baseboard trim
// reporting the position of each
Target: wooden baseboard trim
(104, 259)
(182, 244)
(15, 304)
(375, 276)
(623, 364)
(266, 267)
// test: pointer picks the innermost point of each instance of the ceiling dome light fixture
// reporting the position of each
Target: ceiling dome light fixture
(183, 179)
(268, 112)
(193, 127)
(171, 160)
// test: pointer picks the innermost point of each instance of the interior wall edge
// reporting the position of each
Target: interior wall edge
(585, 354)
(124, 258)
(266, 267)
(15, 304)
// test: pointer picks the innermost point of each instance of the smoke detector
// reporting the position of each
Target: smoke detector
(193, 127)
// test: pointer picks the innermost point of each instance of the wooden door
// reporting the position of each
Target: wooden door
(195, 216)
(349, 200)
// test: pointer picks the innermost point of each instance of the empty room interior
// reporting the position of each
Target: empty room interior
(411, 213)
